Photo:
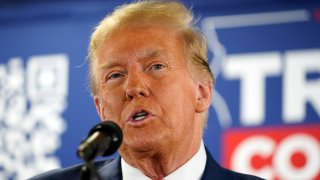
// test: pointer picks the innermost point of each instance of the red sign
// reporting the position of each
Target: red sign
(274, 152)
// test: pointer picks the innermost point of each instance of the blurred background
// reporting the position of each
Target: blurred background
(265, 114)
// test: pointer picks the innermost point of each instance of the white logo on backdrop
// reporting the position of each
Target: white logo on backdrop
(220, 59)
(32, 99)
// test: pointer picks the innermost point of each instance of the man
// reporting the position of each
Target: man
(149, 74)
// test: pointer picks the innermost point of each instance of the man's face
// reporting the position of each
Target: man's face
(145, 87)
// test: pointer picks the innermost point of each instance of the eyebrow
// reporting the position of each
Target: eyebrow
(150, 54)
(109, 65)
(144, 55)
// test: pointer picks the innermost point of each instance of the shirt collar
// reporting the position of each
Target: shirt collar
(191, 170)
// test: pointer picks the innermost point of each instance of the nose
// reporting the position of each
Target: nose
(136, 86)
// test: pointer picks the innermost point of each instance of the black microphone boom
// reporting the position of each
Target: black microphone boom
(103, 140)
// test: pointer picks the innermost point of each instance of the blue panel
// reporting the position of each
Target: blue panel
(29, 32)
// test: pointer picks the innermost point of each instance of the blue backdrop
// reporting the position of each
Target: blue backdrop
(264, 118)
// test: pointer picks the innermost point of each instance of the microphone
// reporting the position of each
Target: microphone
(103, 140)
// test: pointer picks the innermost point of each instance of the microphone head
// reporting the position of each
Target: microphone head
(113, 130)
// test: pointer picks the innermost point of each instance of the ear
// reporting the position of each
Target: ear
(99, 106)
(204, 94)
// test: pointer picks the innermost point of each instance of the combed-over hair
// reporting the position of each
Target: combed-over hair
(146, 12)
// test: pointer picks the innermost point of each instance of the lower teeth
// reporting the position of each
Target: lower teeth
(139, 118)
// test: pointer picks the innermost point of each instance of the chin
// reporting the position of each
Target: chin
(144, 141)
(142, 146)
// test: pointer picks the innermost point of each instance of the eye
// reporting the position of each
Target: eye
(114, 76)
(157, 67)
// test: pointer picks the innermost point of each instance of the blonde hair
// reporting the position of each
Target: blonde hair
(148, 12)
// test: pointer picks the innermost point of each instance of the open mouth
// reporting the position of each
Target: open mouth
(140, 116)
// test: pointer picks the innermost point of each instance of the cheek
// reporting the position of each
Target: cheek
(112, 106)
(178, 100)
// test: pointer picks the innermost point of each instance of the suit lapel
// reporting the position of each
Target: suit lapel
(212, 170)
(111, 170)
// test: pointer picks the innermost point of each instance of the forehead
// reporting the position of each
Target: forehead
(138, 40)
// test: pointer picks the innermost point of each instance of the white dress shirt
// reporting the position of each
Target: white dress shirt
(191, 170)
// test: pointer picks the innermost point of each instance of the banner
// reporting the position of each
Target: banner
(265, 113)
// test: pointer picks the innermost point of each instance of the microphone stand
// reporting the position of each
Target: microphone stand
(103, 139)
(89, 172)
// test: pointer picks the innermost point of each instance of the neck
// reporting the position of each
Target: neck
(158, 163)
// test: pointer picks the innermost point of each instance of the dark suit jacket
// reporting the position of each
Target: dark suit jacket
(111, 170)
